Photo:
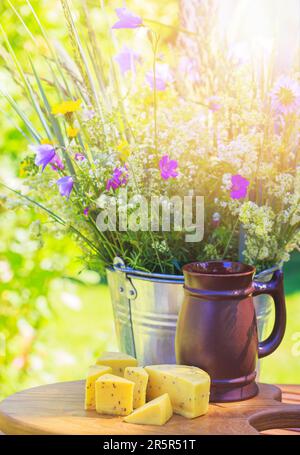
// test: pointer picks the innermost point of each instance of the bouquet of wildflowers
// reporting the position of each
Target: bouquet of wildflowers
(143, 117)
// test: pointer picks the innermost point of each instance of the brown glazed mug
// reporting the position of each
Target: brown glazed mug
(217, 326)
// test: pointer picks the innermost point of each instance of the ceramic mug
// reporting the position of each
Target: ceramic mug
(217, 327)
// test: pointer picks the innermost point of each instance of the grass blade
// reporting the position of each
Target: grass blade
(26, 121)
(80, 57)
(53, 215)
(10, 120)
(27, 85)
(53, 120)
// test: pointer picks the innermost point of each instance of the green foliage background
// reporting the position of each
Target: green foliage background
(54, 320)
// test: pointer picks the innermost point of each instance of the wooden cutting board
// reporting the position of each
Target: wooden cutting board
(59, 409)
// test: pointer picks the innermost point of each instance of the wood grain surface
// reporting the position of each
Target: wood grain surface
(59, 409)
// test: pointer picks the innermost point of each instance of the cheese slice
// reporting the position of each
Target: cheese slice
(114, 395)
(187, 386)
(117, 361)
(140, 378)
(94, 372)
(156, 412)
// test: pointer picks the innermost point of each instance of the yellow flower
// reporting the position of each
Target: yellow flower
(124, 150)
(22, 170)
(25, 167)
(72, 132)
(148, 98)
(47, 141)
(66, 107)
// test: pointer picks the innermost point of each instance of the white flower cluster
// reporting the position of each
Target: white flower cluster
(160, 246)
(241, 153)
(257, 221)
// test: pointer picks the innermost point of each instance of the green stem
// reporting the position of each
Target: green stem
(155, 47)
(230, 238)
(109, 250)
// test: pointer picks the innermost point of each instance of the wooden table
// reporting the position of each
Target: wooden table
(58, 409)
(290, 394)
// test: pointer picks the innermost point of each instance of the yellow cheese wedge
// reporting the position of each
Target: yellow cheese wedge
(139, 376)
(94, 372)
(156, 412)
(114, 395)
(188, 388)
(117, 361)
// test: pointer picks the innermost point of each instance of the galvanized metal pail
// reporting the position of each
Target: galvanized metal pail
(146, 308)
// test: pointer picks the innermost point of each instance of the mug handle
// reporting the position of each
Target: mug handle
(275, 289)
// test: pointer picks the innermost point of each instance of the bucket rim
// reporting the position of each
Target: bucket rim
(146, 275)
(164, 277)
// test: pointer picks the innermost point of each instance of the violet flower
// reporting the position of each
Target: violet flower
(79, 157)
(44, 154)
(88, 114)
(216, 218)
(285, 96)
(56, 163)
(162, 77)
(119, 178)
(161, 84)
(127, 19)
(239, 187)
(86, 211)
(127, 59)
(168, 168)
(214, 104)
(65, 186)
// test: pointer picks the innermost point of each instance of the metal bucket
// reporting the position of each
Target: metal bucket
(146, 307)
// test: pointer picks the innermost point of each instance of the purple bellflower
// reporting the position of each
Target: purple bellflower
(163, 77)
(65, 186)
(127, 19)
(44, 155)
(127, 59)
